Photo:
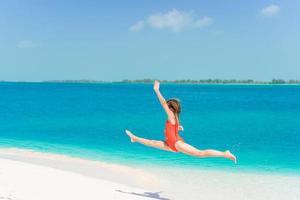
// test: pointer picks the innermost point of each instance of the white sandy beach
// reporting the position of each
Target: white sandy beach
(28, 175)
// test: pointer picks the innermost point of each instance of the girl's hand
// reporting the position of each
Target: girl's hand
(156, 85)
(180, 128)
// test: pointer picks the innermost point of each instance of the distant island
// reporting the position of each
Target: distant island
(185, 81)
(217, 81)
(182, 81)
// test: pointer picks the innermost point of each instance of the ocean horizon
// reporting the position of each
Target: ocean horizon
(258, 123)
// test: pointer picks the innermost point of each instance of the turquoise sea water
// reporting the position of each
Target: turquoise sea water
(259, 123)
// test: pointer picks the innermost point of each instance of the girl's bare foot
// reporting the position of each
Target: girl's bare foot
(230, 156)
(133, 138)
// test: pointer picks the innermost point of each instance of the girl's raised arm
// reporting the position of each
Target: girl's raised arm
(163, 102)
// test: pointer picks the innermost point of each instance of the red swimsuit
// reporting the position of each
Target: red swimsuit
(172, 136)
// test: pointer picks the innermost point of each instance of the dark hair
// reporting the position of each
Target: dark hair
(174, 105)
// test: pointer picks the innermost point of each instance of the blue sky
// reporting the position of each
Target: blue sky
(164, 39)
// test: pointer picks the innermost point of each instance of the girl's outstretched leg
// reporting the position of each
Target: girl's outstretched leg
(190, 150)
(151, 143)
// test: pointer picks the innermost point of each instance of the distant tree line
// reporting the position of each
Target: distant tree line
(216, 81)
(182, 81)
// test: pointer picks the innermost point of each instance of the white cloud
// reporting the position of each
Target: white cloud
(137, 26)
(173, 20)
(270, 10)
(27, 44)
(178, 20)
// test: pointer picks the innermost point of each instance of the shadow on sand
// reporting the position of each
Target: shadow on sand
(153, 195)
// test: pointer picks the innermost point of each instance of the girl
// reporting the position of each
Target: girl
(174, 142)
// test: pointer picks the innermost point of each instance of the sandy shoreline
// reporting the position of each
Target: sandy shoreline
(29, 175)
(20, 180)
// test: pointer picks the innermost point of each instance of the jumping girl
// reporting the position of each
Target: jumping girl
(174, 142)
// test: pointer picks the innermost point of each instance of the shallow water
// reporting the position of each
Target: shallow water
(259, 123)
